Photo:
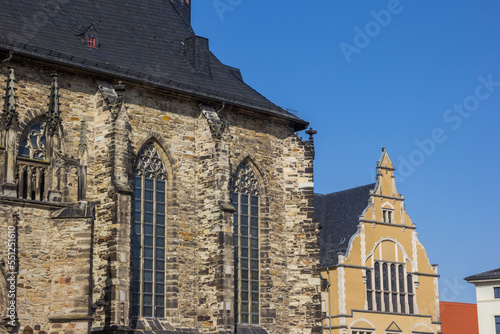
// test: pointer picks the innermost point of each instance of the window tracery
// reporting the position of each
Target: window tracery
(149, 163)
(33, 144)
(245, 181)
(32, 165)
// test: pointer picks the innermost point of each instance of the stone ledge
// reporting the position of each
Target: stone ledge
(80, 210)
(69, 318)
(31, 203)
(249, 329)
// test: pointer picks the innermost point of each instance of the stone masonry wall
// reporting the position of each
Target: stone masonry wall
(53, 254)
(53, 268)
(54, 291)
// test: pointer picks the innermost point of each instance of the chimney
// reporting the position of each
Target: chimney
(197, 53)
(183, 7)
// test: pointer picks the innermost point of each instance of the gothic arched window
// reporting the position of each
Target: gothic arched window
(246, 198)
(32, 164)
(148, 234)
(33, 142)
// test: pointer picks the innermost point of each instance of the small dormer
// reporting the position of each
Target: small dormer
(91, 37)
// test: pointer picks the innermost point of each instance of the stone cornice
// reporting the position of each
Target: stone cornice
(31, 203)
(70, 318)
(424, 274)
(388, 197)
(386, 224)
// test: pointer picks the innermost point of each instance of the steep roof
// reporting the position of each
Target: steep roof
(487, 275)
(338, 214)
(142, 41)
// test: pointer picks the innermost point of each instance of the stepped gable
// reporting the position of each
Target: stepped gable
(338, 213)
(149, 42)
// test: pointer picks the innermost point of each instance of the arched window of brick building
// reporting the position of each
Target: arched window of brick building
(246, 200)
(148, 234)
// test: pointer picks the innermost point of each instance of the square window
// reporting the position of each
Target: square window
(91, 41)
(497, 291)
(387, 216)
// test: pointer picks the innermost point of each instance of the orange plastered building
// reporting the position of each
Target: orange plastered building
(458, 318)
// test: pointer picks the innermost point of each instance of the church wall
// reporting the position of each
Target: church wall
(199, 251)
(53, 262)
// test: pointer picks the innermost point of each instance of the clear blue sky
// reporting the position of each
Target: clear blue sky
(421, 78)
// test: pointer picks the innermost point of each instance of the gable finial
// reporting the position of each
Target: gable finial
(10, 114)
(311, 133)
(53, 119)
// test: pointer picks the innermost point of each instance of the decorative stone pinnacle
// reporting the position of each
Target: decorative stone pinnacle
(53, 119)
(311, 133)
(116, 107)
(10, 115)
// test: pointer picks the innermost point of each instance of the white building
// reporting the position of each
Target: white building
(488, 300)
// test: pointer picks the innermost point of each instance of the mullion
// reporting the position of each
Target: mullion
(237, 297)
(254, 246)
(137, 249)
(143, 185)
(149, 248)
(159, 273)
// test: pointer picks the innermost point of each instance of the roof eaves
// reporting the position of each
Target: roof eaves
(491, 275)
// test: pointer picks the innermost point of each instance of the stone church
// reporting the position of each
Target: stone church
(144, 187)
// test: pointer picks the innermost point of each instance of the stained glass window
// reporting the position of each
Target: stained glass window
(246, 198)
(32, 164)
(148, 235)
(33, 143)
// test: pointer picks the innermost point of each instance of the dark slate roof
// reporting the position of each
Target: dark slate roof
(141, 41)
(487, 275)
(338, 213)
